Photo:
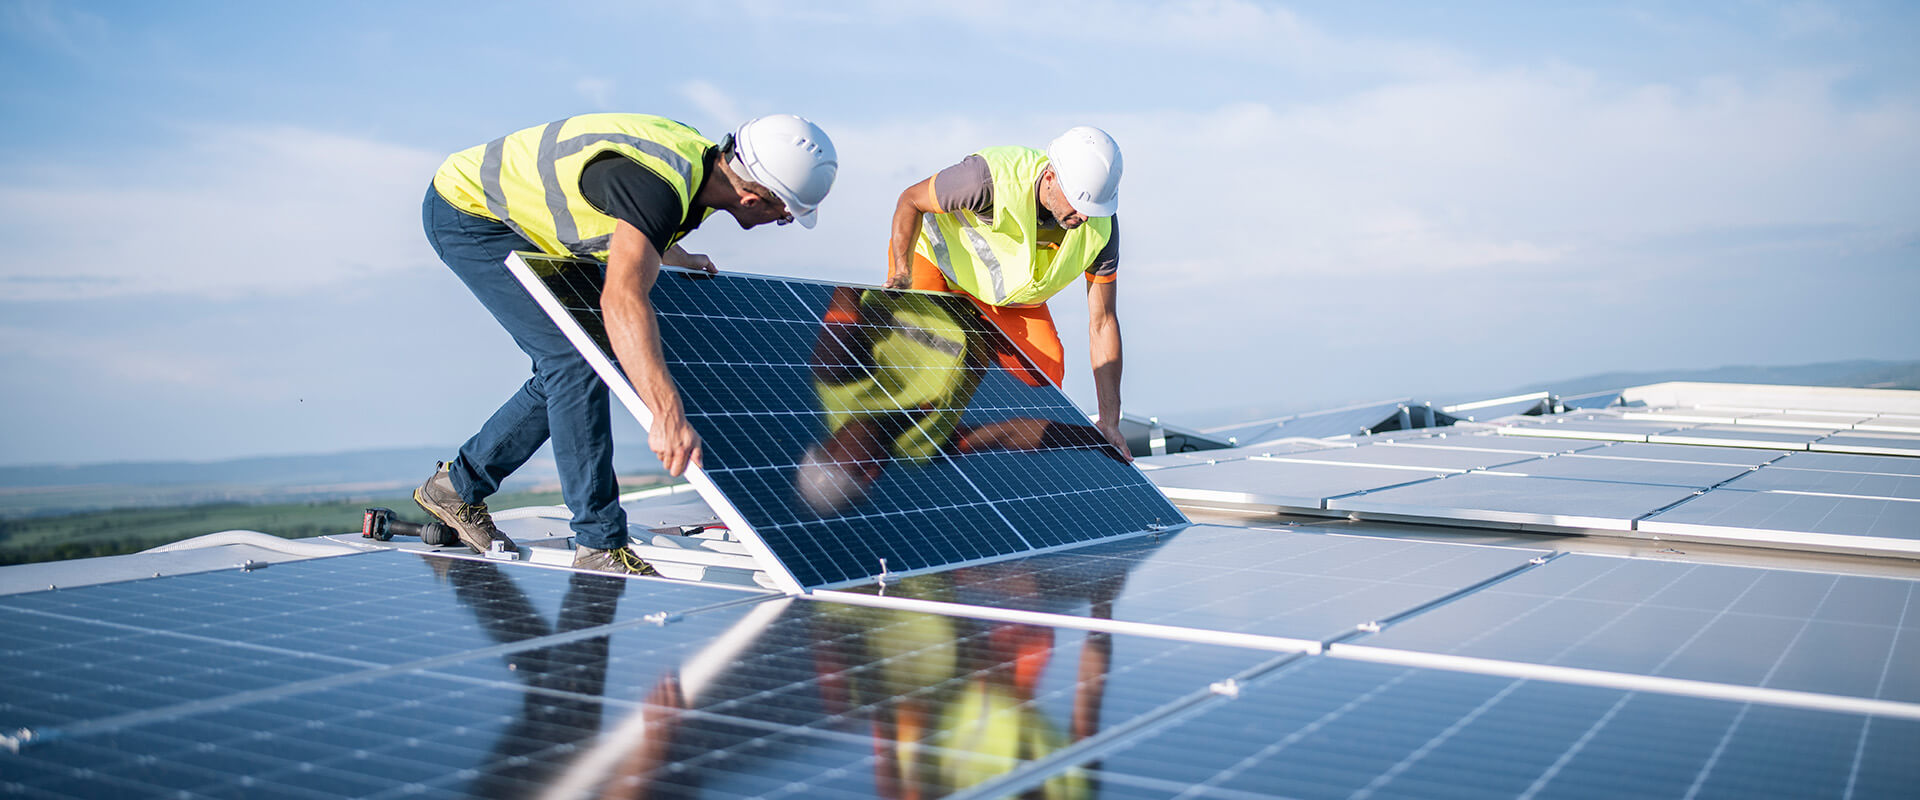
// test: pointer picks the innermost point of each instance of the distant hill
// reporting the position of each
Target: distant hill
(41, 490)
(366, 466)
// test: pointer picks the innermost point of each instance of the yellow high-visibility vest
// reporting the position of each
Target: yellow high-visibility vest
(530, 179)
(1005, 264)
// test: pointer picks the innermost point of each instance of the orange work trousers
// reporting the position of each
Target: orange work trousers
(1030, 327)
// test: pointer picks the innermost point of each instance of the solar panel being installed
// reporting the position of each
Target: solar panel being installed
(854, 432)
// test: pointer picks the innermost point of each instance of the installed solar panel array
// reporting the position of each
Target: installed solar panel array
(1842, 482)
(1212, 661)
(854, 432)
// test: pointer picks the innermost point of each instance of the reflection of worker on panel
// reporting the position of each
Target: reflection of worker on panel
(895, 373)
(562, 706)
(950, 702)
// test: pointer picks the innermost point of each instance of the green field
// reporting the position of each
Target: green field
(130, 530)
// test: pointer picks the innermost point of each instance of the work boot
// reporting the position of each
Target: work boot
(619, 560)
(471, 520)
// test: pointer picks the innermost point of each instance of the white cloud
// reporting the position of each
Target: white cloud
(598, 92)
(722, 112)
(60, 25)
(124, 362)
(1810, 20)
(232, 211)
(1467, 172)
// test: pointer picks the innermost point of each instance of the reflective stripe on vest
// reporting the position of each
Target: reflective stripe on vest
(995, 292)
(1001, 263)
(570, 225)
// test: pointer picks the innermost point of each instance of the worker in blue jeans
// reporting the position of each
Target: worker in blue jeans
(624, 188)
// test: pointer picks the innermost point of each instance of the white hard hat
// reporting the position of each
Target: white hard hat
(827, 487)
(790, 156)
(1086, 162)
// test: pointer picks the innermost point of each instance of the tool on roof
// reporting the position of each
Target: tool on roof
(383, 524)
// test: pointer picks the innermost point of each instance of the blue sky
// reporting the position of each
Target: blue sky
(212, 208)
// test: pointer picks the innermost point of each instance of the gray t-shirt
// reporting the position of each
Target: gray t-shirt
(969, 185)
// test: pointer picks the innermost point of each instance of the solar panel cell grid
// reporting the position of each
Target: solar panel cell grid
(784, 698)
(1271, 583)
(846, 426)
(1332, 729)
(1784, 630)
(1849, 522)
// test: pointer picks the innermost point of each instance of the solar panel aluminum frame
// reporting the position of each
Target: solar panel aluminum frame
(623, 390)
(1662, 525)
(617, 383)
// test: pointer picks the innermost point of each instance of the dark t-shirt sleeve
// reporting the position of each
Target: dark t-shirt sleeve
(1107, 264)
(632, 193)
(968, 185)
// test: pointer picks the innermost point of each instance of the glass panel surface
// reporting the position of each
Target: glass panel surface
(789, 698)
(1854, 484)
(1496, 442)
(1263, 482)
(850, 426)
(1742, 436)
(1696, 454)
(1458, 460)
(1885, 443)
(98, 651)
(1849, 462)
(1267, 582)
(1323, 728)
(1506, 498)
(1620, 470)
(1729, 511)
(1833, 634)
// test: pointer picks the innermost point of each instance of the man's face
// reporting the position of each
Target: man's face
(762, 209)
(1055, 201)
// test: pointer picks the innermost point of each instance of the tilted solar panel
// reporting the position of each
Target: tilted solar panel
(850, 432)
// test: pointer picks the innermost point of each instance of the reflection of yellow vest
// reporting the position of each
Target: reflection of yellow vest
(530, 179)
(989, 732)
(1004, 264)
(919, 367)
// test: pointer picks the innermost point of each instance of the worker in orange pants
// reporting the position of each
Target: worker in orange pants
(1010, 227)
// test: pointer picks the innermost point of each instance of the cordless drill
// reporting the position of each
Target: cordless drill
(382, 524)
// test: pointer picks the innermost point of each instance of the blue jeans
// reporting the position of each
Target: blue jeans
(565, 399)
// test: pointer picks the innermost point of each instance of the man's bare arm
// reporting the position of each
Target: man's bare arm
(916, 200)
(1103, 344)
(632, 266)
